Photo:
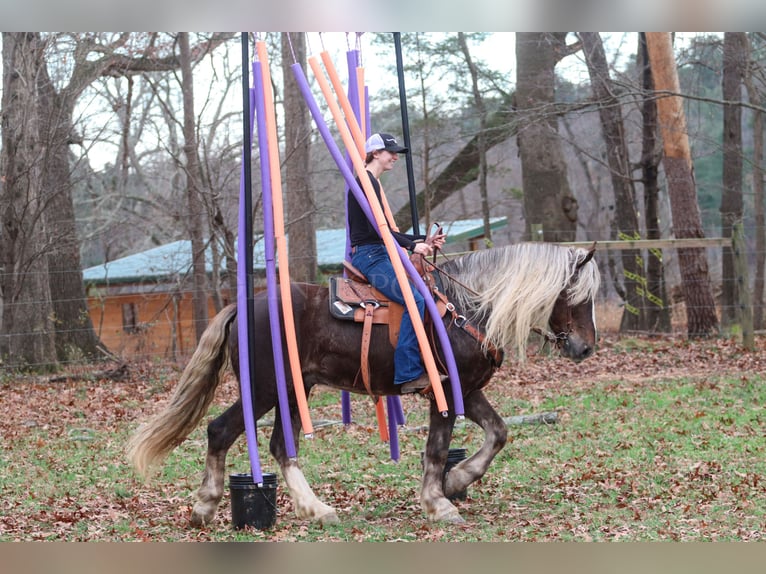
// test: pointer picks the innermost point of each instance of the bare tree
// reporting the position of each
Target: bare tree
(196, 216)
(301, 207)
(700, 306)
(548, 199)
(27, 324)
(752, 74)
(734, 65)
(89, 56)
(481, 110)
(435, 127)
(626, 220)
(658, 309)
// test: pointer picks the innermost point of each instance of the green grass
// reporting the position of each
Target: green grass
(658, 459)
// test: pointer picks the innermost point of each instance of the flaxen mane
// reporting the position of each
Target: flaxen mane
(516, 287)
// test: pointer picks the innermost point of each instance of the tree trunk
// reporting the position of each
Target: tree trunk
(734, 44)
(75, 335)
(196, 218)
(758, 201)
(700, 306)
(27, 324)
(625, 221)
(658, 310)
(548, 199)
(481, 143)
(301, 206)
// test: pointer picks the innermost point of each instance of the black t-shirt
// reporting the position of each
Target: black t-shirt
(362, 232)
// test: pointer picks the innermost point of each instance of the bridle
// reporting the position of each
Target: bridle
(561, 338)
(558, 339)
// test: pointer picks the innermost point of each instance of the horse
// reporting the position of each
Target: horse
(505, 292)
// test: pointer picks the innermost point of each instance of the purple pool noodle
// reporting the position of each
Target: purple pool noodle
(400, 420)
(393, 430)
(368, 121)
(242, 297)
(351, 60)
(361, 198)
(345, 404)
(271, 277)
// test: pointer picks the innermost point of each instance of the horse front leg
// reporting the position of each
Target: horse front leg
(221, 434)
(307, 504)
(432, 498)
(478, 409)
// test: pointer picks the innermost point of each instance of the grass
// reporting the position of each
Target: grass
(639, 459)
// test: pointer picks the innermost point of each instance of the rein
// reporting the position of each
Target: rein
(441, 271)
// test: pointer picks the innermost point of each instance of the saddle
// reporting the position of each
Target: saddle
(352, 298)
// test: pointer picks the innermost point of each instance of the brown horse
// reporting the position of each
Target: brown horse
(505, 292)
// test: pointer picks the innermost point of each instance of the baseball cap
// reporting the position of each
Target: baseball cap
(383, 141)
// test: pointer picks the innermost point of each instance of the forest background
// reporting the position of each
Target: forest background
(114, 143)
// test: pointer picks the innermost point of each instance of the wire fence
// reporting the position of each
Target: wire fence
(154, 321)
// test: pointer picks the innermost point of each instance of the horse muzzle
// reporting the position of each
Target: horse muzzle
(574, 347)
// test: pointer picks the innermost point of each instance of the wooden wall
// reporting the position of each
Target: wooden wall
(163, 322)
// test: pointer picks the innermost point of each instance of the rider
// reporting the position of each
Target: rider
(369, 255)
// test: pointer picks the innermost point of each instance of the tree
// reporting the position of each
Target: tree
(88, 57)
(195, 220)
(753, 71)
(436, 127)
(734, 65)
(301, 206)
(700, 305)
(481, 109)
(548, 199)
(626, 219)
(658, 310)
(27, 324)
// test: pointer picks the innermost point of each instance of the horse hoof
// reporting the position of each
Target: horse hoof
(329, 518)
(454, 518)
(201, 519)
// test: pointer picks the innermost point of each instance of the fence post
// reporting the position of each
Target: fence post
(744, 311)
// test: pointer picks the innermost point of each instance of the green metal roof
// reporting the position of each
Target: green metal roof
(175, 258)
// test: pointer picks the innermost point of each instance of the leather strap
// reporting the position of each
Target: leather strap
(369, 307)
(494, 354)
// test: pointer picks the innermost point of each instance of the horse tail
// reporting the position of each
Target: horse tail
(153, 441)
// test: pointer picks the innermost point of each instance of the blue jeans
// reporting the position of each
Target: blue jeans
(373, 261)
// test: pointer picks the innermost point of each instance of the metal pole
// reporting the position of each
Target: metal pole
(246, 313)
(406, 134)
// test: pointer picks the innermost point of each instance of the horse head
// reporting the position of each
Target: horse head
(572, 322)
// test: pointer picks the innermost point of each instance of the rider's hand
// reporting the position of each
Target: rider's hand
(423, 248)
(437, 240)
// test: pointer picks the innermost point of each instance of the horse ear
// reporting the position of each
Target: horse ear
(588, 257)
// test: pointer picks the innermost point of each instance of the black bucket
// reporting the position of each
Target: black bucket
(251, 504)
(454, 456)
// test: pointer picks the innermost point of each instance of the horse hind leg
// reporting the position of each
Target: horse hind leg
(468, 471)
(307, 504)
(221, 434)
